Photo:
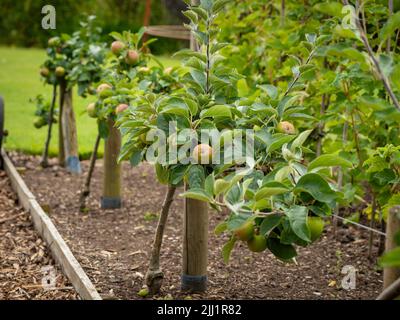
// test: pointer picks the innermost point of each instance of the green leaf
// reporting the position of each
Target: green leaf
(103, 129)
(390, 27)
(209, 184)
(227, 249)
(220, 228)
(196, 177)
(271, 90)
(220, 186)
(187, 53)
(199, 77)
(206, 4)
(217, 111)
(219, 5)
(197, 194)
(330, 8)
(299, 141)
(177, 110)
(391, 259)
(269, 223)
(135, 158)
(297, 216)
(278, 141)
(267, 192)
(200, 12)
(329, 160)
(176, 174)
(386, 64)
(243, 88)
(162, 173)
(317, 187)
(235, 221)
(191, 15)
(284, 252)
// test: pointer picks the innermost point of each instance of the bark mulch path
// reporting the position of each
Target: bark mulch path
(24, 258)
(113, 247)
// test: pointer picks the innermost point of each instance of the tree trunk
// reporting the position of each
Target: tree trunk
(61, 152)
(44, 163)
(154, 275)
(86, 188)
(390, 275)
(372, 225)
(70, 136)
(111, 198)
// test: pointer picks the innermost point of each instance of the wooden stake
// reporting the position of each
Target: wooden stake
(390, 275)
(70, 136)
(195, 234)
(195, 246)
(111, 198)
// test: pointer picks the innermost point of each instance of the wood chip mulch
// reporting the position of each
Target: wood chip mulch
(113, 247)
(25, 262)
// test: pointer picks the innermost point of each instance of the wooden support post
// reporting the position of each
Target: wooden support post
(70, 137)
(195, 235)
(146, 19)
(195, 246)
(111, 198)
(390, 275)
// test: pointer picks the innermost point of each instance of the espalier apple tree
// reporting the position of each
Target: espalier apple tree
(122, 81)
(212, 105)
(72, 60)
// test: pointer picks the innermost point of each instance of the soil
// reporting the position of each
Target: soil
(113, 246)
(24, 258)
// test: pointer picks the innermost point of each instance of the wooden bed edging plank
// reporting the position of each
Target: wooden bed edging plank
(47, 230)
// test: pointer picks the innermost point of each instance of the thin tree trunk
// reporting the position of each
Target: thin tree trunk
(378, 69)
(324, 106)
(371, 225)
(340, 180)
(389, 41)
(86, 188)
(61, 151)
(154, 275)
(283, 12)
(44, 163)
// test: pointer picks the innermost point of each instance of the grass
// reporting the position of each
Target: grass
(19, 82)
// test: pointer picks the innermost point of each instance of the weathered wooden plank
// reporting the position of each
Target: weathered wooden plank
(19, 186)
(47, 230)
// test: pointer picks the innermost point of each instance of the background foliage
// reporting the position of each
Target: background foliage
(20, 22)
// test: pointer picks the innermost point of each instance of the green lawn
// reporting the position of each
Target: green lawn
(20, 81)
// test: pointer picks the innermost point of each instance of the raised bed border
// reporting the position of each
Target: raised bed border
(49, 233)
